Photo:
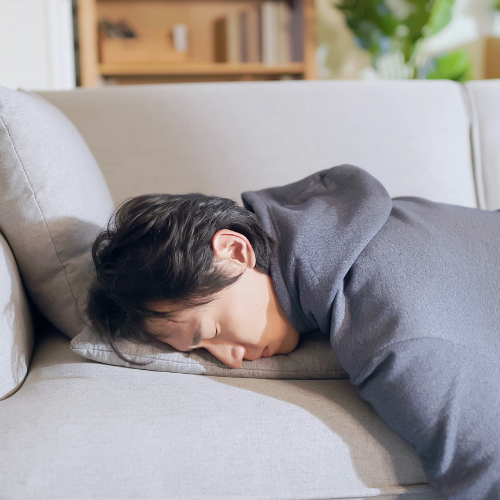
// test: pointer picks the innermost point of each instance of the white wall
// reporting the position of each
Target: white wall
(36, 44)
(338, 56)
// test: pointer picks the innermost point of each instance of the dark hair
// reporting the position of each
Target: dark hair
(159, 247)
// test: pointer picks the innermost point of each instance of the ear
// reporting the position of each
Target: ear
(233, 249)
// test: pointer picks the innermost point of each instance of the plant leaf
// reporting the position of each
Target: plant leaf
(370, 20)
(441, 14)
(453, 66)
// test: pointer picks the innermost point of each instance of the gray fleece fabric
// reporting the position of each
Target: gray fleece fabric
(409, 292)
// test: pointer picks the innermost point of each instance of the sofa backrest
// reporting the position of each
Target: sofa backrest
(484, 96)
(225, 138)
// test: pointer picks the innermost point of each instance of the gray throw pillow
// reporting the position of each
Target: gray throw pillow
(312, 359)
(53, 202)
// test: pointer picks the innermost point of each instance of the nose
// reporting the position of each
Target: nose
(230, 354)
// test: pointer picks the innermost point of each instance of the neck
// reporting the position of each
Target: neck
(290, 335)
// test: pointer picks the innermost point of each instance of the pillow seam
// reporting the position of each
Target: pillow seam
(40, 210)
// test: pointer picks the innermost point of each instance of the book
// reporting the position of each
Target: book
(269, 33)
(227, 41)
(220, 40)
(233, 38)
(244, 36)
(237, 37)
(283, 21)
(254, 37)
(297, 31)
(276, 32)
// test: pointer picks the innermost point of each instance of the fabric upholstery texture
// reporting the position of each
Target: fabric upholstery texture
(53, 202)
(80, 429)
(225, 138)
(105, 432)
(485, 108)
(312, 359)
(16, 329)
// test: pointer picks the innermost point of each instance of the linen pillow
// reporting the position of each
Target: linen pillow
(312, 359)
(16, 326)
(53, 202)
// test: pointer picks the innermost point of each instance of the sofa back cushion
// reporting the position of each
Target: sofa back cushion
(53, 202)
(226, 138)
(16, 328)
(485, 110)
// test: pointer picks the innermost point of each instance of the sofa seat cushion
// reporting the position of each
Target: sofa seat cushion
(75, 424)
(53, 202)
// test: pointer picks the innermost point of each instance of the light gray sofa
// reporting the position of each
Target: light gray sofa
(71, 428)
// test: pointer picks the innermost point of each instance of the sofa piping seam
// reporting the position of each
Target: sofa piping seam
(474, 132)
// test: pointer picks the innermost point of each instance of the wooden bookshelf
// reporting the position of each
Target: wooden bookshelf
(152, 18)
(492, 58)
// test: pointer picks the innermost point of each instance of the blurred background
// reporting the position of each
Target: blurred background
(62, 44)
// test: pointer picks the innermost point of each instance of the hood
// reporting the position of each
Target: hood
(322, 223)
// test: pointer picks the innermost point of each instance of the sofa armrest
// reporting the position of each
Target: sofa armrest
(16, 325)
(485, 114)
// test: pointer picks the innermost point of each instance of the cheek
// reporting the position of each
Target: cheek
(246, 320)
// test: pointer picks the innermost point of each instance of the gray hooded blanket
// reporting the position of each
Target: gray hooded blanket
(409, 292)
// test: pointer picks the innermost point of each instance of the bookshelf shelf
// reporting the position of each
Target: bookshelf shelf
(152, 68)
(152, 57)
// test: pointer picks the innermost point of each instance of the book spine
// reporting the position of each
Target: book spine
(244, 36)
(296, 32)
(258, 30)
(269, 33)
(255, 33)
(254, 36)
(220, 40)
(233, 38)
(284, 34)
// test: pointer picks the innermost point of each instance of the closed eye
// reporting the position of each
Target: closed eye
(217, 333)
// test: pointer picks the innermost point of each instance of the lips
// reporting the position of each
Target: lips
(265, 353)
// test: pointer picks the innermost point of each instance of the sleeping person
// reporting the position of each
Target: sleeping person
(407, 289)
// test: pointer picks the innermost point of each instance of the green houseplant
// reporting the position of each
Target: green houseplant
(496, 18)
(402, 27)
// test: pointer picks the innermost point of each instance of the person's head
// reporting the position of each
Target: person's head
(191, 271)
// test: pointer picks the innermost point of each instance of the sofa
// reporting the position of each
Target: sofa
(73, 427)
